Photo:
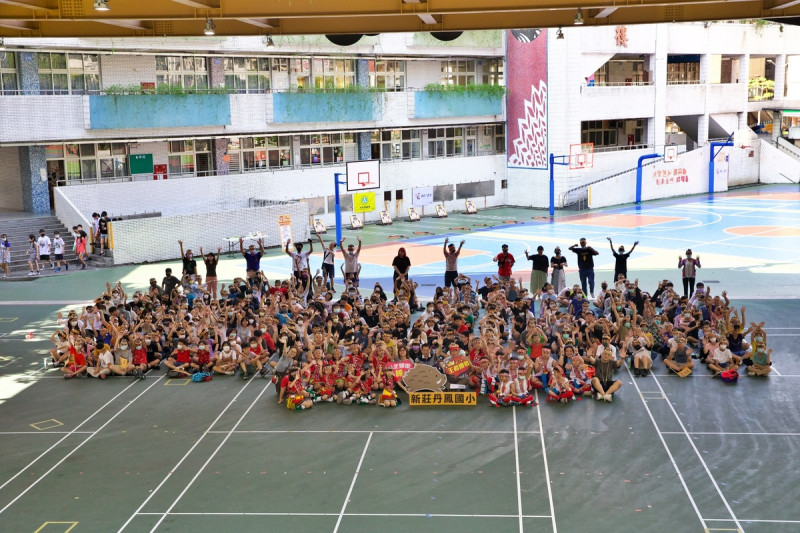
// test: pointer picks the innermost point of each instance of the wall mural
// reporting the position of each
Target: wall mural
(526, 105)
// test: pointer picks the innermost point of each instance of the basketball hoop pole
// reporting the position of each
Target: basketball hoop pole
(639, 175)
(713, 155)
(338, 207)
(564, 161)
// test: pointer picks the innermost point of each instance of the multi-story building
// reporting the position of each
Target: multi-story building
(110, 120)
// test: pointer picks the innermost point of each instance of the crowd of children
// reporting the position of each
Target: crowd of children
(352, 347)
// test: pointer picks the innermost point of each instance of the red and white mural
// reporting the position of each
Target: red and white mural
(526, 104)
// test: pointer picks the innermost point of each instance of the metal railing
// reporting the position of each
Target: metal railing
(618, 84)
(579, 195)
(684, 82)
(605, 149)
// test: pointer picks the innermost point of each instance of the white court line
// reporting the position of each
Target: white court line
(45, 432)
(546, 467)
(759, 521)
(666, 448)
(757, 434)
(433, 431)
(770, 329)
(46, 302)
(699, 455)
(76, 448)
(516, 461)
(410, 515)
(210, 457)
(67, 435)
(352, 484)
(182, 459)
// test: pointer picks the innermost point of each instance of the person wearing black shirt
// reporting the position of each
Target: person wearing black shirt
(558, 279)
(211, 261)
(585, 264)
(189, 264)
(621, 265)
(103, 230)
(169, 283)
(539, 271)
(401, 265)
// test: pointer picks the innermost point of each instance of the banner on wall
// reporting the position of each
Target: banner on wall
(422, 196)
(364, 202)
(285, 228)
(526, 104)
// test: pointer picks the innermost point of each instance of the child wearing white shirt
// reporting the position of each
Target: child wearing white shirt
(58, 250)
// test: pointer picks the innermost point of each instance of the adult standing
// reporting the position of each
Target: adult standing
(328, 256)
(585, 264)
(504, 262)
(688, 266)
(251, 257)
(351, 266)
(621, 258)
(5, 254)
(558, 278)
(102, 226)
(539, 270)
(300, 259)
(451, 262)
(211, 262)
(401, 265)
(189, 263)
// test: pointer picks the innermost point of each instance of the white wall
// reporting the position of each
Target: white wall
(10, 180)
(67, 213)
(776, 166)
(743, 164)
(123, 69)
(156, 239)
(622, 189)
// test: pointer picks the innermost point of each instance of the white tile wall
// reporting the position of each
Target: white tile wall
(10, 180)
(776, 166)
(124, 69)
(156, 239)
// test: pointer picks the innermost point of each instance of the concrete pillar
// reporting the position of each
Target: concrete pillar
(705, 68)
(657, 134)
(744, 78)
(702, 130)
(780, 76)
(216, 72)
(33, 173)
(28, 72)
(220, 151)
(363, 138)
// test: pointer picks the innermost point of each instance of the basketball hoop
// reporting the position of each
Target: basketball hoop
(581, 156)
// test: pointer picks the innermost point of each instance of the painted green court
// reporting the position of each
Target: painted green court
(669, 454)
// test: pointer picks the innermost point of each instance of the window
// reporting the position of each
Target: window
(396, 144)
(387, 75)
(492, 72)
(327, 148)
(445, 142)
(300, 72)
(683, 72)
(88, 162)
(61, 73)
(330, 73)
(181, 157)
(599, 132)
(187, 72)
(247, 74)
(8, 73)
(458, 72)
(260, 153)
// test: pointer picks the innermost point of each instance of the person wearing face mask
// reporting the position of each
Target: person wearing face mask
(189, 263)
(180, 359)
(558, 277)
(722, 359)
(680, 356)
(761, 363)
(226, 360)
(621, 259)
(642, 361)
(123, 358)
(688, 266)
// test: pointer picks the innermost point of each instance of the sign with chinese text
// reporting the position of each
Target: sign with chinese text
(400, 367)
(457, 366)
(442, 399)
(285, 227)
(364, 202)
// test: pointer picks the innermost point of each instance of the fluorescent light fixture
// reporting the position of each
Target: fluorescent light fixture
(578, 18)
(209, 29)
(101, 5)
(559, 33)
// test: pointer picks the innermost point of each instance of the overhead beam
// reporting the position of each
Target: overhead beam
(199, 4)
(37, 5)
(784, 5)
(605, 12)
(427, 18)
(261, 23)
(126, 23)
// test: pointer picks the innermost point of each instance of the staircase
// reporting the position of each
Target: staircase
(18, 229)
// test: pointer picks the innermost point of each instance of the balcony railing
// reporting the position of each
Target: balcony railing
(618, 84)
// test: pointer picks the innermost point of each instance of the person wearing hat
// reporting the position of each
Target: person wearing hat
(539, 270)
(557, 277)
(504, 262)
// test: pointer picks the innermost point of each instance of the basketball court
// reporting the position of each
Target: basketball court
(686, 455)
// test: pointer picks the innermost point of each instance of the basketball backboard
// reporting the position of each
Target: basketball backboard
(743, 138)
(581, 156)
(363, 175)
(670, 153)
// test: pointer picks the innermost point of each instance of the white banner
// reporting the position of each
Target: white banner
(422, 196)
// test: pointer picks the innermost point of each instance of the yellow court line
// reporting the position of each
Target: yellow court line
(70, 528)
(177, 382)
(55, 424)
